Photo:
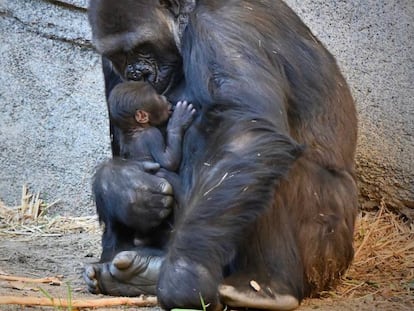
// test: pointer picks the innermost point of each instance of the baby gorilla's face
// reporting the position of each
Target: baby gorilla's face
(161, 111)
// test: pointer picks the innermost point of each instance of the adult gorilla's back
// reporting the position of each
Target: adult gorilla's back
(268, 166)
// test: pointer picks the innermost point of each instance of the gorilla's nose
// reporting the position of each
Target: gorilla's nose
(138, 72)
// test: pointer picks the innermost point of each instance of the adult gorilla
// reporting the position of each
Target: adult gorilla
(268, 165)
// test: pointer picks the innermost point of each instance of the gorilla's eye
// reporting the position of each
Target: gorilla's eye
(143, 50)
(144, 55)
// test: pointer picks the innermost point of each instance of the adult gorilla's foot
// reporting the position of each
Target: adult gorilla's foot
(129, 274)
(256, 298)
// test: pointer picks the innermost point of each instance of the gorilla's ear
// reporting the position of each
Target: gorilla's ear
(142, 117)
(178, 7)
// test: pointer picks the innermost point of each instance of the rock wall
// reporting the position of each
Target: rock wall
(53, 119)
(53, 115)
(373, 43)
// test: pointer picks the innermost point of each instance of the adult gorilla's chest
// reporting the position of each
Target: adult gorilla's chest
(194, 144)
(195, 137)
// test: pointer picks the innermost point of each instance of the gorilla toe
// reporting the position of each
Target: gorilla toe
(129, 274)
(89, 276)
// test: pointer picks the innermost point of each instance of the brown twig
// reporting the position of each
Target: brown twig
(48, 280)
(79, 303)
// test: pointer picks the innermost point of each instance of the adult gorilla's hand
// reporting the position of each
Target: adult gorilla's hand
(155, 191)
(129, 191)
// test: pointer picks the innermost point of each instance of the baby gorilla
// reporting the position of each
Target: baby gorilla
(137, 109)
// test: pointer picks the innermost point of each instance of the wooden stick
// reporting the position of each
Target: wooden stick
(48, 280)
(79, 303)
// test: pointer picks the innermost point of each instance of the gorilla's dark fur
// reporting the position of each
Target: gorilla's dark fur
(268, 165)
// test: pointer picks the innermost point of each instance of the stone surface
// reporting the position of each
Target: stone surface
(373, 43)
(53, 125)
(53, 119)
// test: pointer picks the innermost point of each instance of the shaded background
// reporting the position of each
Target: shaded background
(53, 118)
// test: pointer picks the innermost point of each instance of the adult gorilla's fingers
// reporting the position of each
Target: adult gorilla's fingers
(158, 191)
(157, 200)
(161, 204)
(158, 184)
(165, 187)
(150, 167)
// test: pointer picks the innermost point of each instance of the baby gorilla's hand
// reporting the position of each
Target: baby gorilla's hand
(183, 115)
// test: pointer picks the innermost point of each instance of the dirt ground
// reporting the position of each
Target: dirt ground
(64, 255)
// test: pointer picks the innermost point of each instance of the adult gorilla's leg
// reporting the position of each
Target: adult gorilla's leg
(268, 271)
(229, 192)
(301, 245)
(127, 198)
(327, 211)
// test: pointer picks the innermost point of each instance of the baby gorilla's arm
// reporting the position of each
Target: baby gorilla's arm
(169, 155)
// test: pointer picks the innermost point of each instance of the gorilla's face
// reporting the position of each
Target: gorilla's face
(147, 63)
(138, 37)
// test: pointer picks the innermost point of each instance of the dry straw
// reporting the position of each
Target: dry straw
(384, 258)
(30, 218)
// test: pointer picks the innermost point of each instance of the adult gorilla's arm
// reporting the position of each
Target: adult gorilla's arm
(131, 203)
(244, 94)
